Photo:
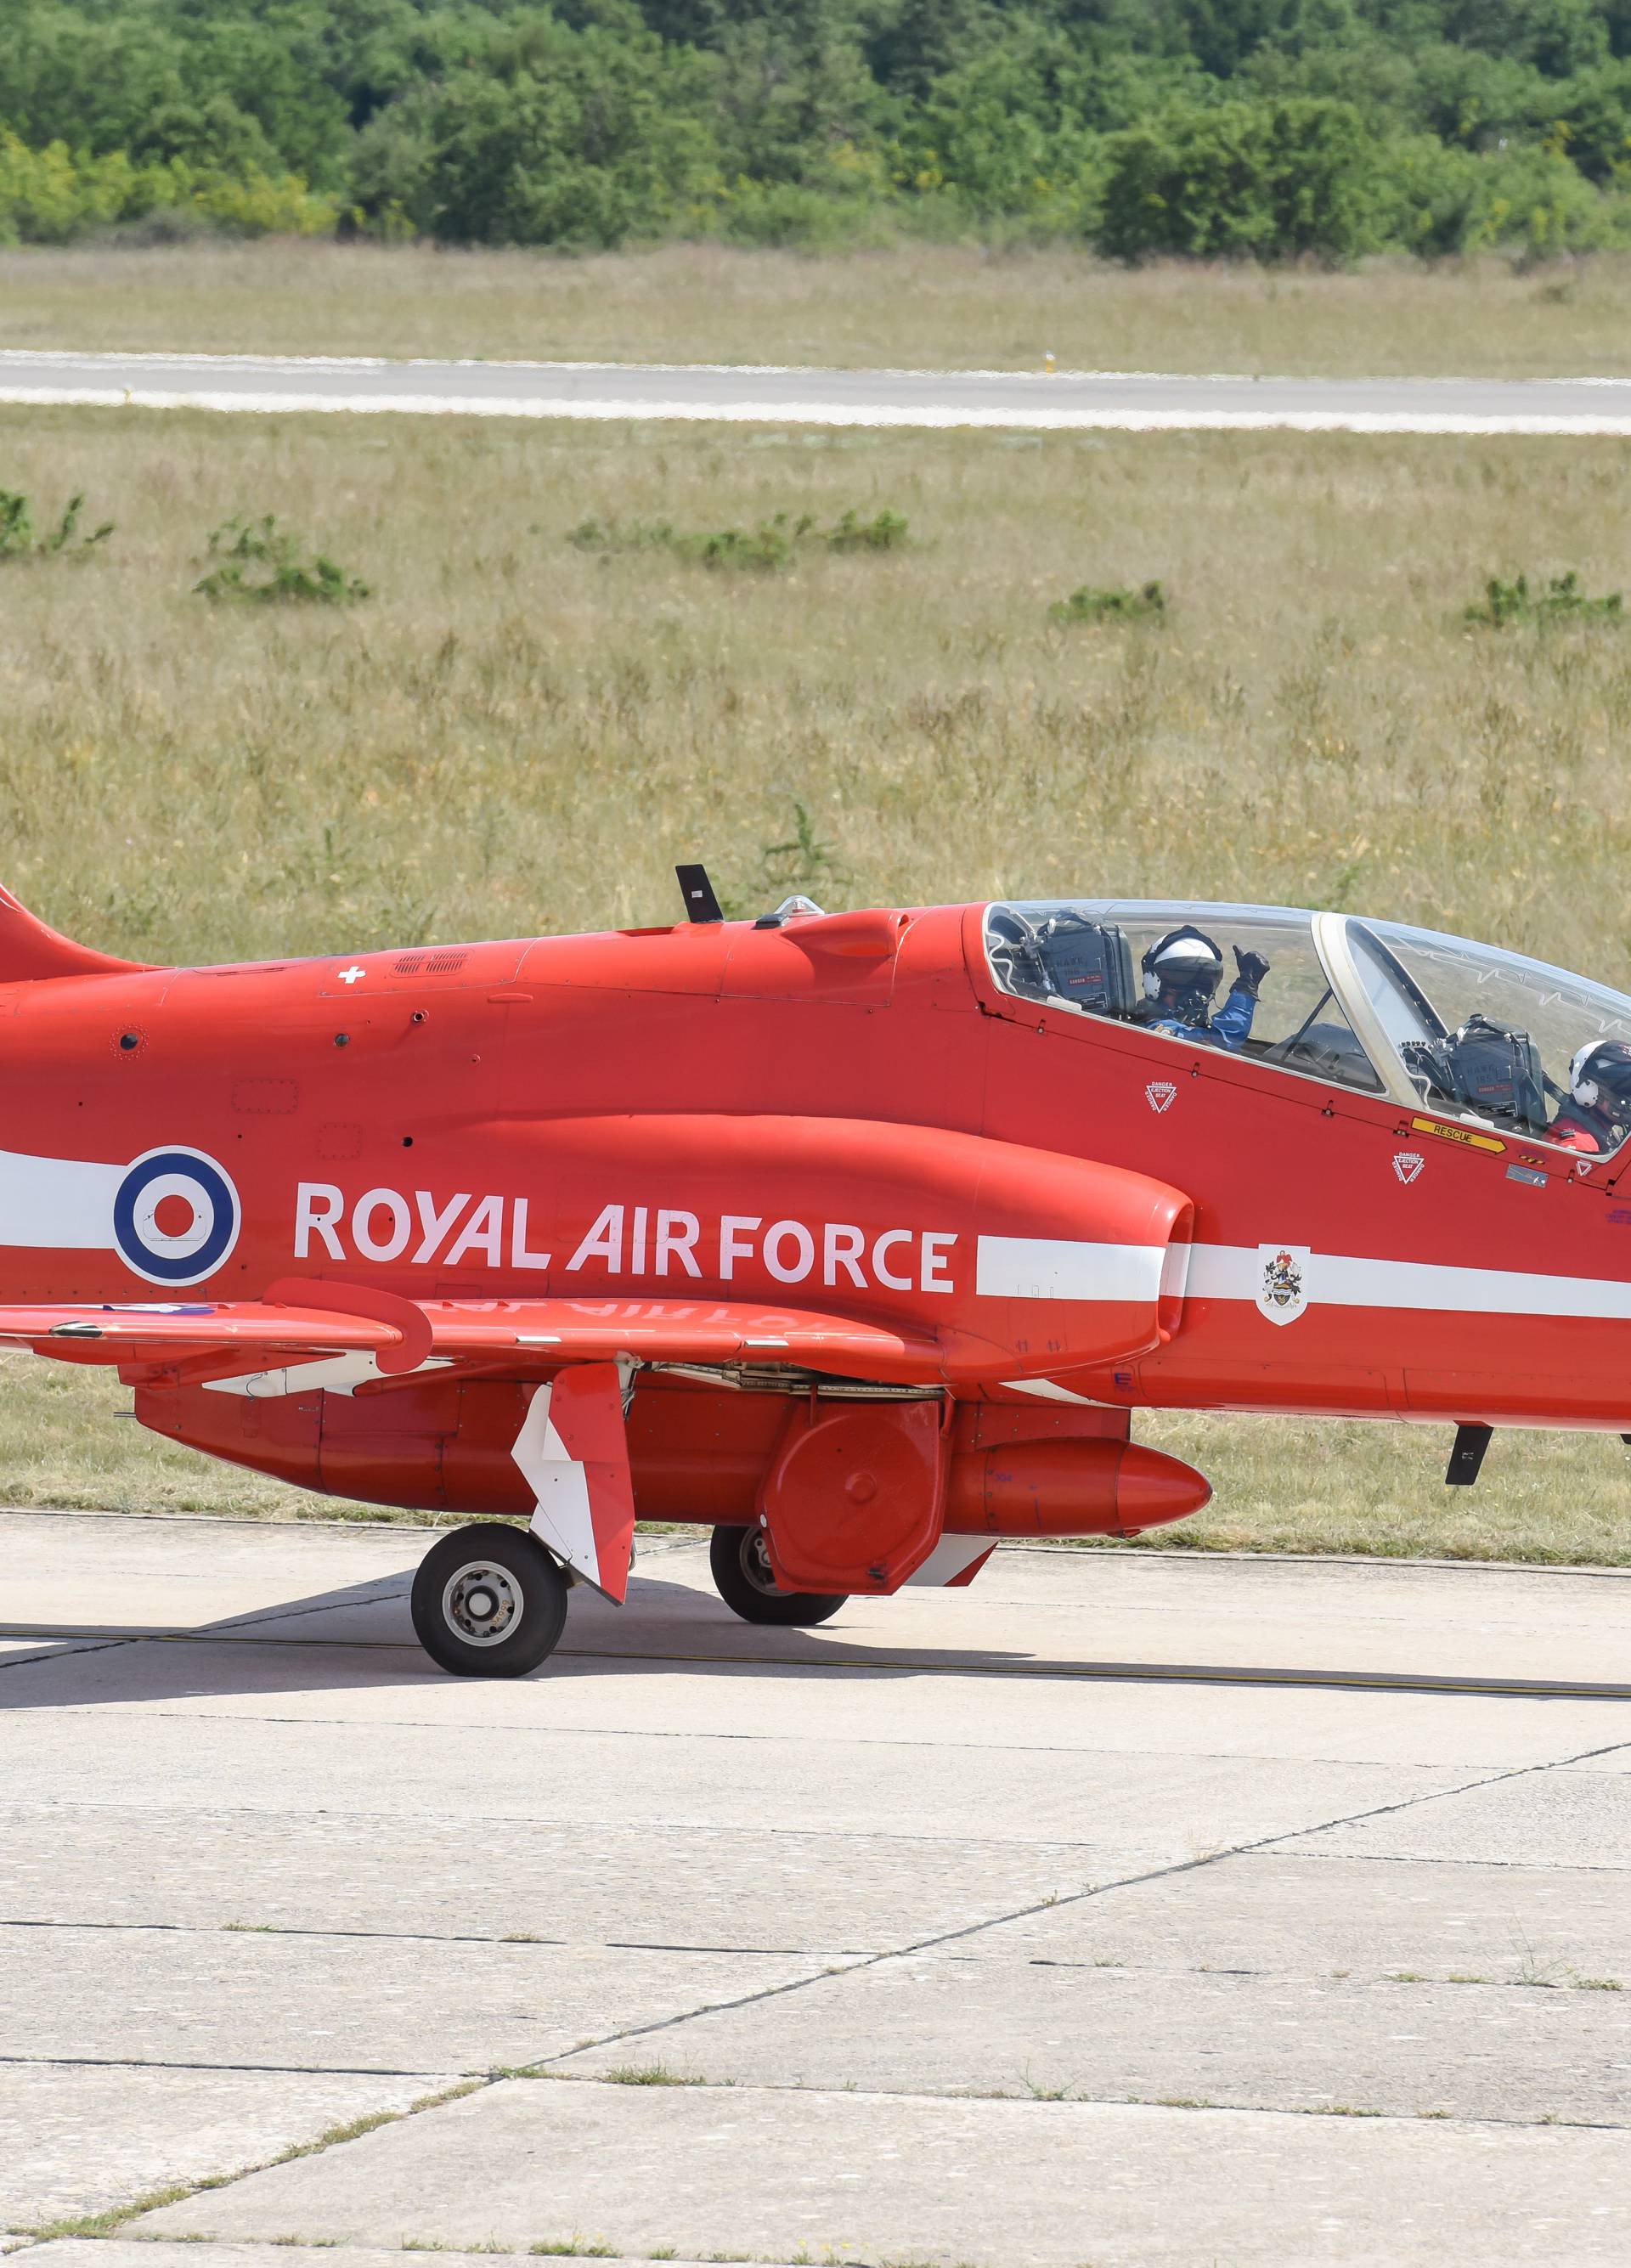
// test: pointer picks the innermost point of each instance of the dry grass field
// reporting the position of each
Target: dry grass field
(930, 305)
(515, 734)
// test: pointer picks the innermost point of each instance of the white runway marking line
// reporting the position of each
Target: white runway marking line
(819, 413)
(702, 393)
(1040, 380)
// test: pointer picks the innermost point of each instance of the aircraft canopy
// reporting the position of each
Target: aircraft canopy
(1467, 1030)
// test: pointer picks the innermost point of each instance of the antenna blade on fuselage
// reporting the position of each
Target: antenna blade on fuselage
(701, 905)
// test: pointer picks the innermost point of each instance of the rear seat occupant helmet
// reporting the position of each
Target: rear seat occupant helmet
(1184, 970)
(1599, 1078)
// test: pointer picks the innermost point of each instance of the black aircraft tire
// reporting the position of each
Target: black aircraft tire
(489, 1601)
(742, 1578)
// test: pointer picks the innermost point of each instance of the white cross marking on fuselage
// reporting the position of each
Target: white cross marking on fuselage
(350, 976)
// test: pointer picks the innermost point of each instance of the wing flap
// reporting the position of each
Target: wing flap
(682, 1331)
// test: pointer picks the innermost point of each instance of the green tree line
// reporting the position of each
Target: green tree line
(1268, 129)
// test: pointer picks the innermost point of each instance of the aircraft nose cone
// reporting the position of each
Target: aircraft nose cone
(1152, 1489)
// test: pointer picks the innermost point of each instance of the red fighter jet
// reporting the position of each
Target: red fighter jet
(857, 1237)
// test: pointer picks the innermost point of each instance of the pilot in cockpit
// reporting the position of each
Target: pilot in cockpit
(1182, 972)
(1596, 1114)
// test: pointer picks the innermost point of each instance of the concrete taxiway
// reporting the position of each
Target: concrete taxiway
(1139, 401)
(1124, 1908)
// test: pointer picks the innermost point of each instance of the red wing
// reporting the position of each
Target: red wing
(538, 1334)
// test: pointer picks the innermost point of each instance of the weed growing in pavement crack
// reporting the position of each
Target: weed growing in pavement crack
(105, 2223)
(649, 2074)
(439, 2244)
(1532, 1970)
(114, 2218)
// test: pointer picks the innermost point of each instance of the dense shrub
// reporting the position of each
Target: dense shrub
(1271, 179)
(1268, 128)
(55, 194)
(583, 137)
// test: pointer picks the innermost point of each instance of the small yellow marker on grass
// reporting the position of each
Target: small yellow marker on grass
(1049, 364)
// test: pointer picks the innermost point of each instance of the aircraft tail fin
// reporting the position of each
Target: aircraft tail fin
(29, 950)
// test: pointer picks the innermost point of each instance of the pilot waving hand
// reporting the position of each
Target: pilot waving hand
(1182, 974)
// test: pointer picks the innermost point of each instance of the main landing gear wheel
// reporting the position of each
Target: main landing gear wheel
(489, 1601)
(741, 1574)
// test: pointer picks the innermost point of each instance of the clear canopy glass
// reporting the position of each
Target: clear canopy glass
(1434, 1021)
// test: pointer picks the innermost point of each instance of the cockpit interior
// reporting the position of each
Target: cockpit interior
(1426, 1020)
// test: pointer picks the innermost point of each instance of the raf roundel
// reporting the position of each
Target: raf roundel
(176, 1216)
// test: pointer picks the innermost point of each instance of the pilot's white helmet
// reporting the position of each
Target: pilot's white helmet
(1599, 1077)
(1186, 961)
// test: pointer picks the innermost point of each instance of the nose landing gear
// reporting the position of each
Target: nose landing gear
(489, 1601)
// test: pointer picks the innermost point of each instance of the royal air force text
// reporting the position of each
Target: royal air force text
(661, 1242)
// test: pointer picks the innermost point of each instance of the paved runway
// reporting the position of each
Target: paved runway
(1029, 1925)
(1137, 402)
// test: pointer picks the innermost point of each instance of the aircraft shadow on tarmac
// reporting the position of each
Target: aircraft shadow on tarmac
(359, 1636)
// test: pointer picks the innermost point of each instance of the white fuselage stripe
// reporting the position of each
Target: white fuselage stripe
(1051, 1268)
(1334, 1280)
(1060, 1267)
(62, 1204)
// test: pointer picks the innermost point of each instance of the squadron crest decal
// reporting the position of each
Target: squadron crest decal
(1283, 1281)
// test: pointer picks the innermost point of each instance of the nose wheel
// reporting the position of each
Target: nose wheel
(489, 1601)
(744, 1579)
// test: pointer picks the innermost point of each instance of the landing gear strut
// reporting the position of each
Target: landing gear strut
(489, 1601)
(742, 1576)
